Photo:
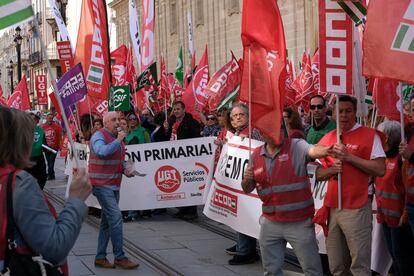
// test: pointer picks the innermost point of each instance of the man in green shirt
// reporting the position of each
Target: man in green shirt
(38, 170)
(321, 123)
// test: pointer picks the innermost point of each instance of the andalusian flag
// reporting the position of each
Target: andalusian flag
(355, 9)
(14, 11)
(179, 73)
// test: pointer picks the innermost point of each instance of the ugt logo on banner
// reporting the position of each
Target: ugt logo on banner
(118, 98)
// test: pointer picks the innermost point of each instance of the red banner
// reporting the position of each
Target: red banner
(148, 43)
(335, 45)
(64, 50)
(264, 57)
(388, 40)
(41, 89)
(92, 48)
(20, 97)
(222, 82)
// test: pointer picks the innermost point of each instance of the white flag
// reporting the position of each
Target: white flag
(64, 34)
(190, 33)
(134, 31)
(14, 11)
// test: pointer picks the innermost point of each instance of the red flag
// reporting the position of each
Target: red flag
(92, 48)
(290, 96)
(131, 76)
(194, 93)
(3, 101)
(55, 103)
(20, 97)
(1, 91)
(148, 44)
(388, 47)
(41, 90)
(164, 93)
(315, 72)
(175, 88)
(387, 98)
(119, 68)
(222, 82)
(265, 40)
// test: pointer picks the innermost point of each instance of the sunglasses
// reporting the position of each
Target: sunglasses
(132, 118)
(211, 119)
(319, 106)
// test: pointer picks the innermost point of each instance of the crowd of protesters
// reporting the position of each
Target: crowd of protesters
(371, 162)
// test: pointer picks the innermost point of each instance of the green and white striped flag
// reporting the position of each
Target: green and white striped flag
(368, 97)
(227, 101)
(14, 11)
(179, 73)
(355, 9)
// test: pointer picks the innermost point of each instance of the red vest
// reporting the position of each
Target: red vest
(389, 194)
(409, 177)
(285, 196)
(106, 170)
(354, 181)
(4, 174)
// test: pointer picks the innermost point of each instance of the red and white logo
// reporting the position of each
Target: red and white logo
(167, 179)
(225, 200)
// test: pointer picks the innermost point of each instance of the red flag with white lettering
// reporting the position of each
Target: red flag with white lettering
(335, 45)
(64, 49)
(264, 48)
(223, 82)
(92, 48)
(164, 93)
(194, 93)
(388, 40)
(41, 89)
(290, 92)
(388, 98)
(20, 97)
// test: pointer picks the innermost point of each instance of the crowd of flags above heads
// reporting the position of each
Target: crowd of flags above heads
(265, 73)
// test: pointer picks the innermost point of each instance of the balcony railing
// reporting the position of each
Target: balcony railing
(35, 58)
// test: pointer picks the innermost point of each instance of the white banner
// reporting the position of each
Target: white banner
(134, 31)
(148, 42)
(190, 33)
(169, 174)
(64, 34)
(228, 204)
(226, 201)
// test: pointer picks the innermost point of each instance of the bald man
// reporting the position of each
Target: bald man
(106, 166)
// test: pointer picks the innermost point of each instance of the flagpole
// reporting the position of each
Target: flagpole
(250, 109)
(89, 108)
(338, 139)
(74, 119)
(401, 110)
(52, 80)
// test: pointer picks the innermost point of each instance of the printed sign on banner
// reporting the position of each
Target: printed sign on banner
(118, 98)
(65, 55)
(41, 90)
(335, 46)
(172, 174)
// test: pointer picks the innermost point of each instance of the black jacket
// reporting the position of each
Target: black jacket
(189, 127)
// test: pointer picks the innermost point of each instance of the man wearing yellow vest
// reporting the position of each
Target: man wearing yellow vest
(106, 166)
(280, 177)
(359, 157)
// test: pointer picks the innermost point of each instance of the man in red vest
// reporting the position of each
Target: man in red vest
(359, 157)
(280, 176)
(106, 166)
(53, 134)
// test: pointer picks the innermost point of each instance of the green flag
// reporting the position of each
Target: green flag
(118, 98)
(179, 70)
(14, 11)
(355, 9)
(147, 79)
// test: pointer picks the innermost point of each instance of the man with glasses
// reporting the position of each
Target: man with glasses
(211, 127)
(320, 124)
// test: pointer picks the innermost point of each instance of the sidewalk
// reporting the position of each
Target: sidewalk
(187, 247)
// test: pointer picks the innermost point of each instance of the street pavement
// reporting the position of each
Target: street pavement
(187, 247)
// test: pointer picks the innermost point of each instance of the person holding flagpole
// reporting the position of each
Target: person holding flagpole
(359, 157)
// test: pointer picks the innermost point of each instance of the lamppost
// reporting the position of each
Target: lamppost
(10, 68)
(62, 8)
(18, 40)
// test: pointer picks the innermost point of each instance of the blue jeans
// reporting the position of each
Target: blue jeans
(50, 158)
(400, 242)
(245, 244)
(111, 222)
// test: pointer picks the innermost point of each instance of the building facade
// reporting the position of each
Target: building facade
(216, 23)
